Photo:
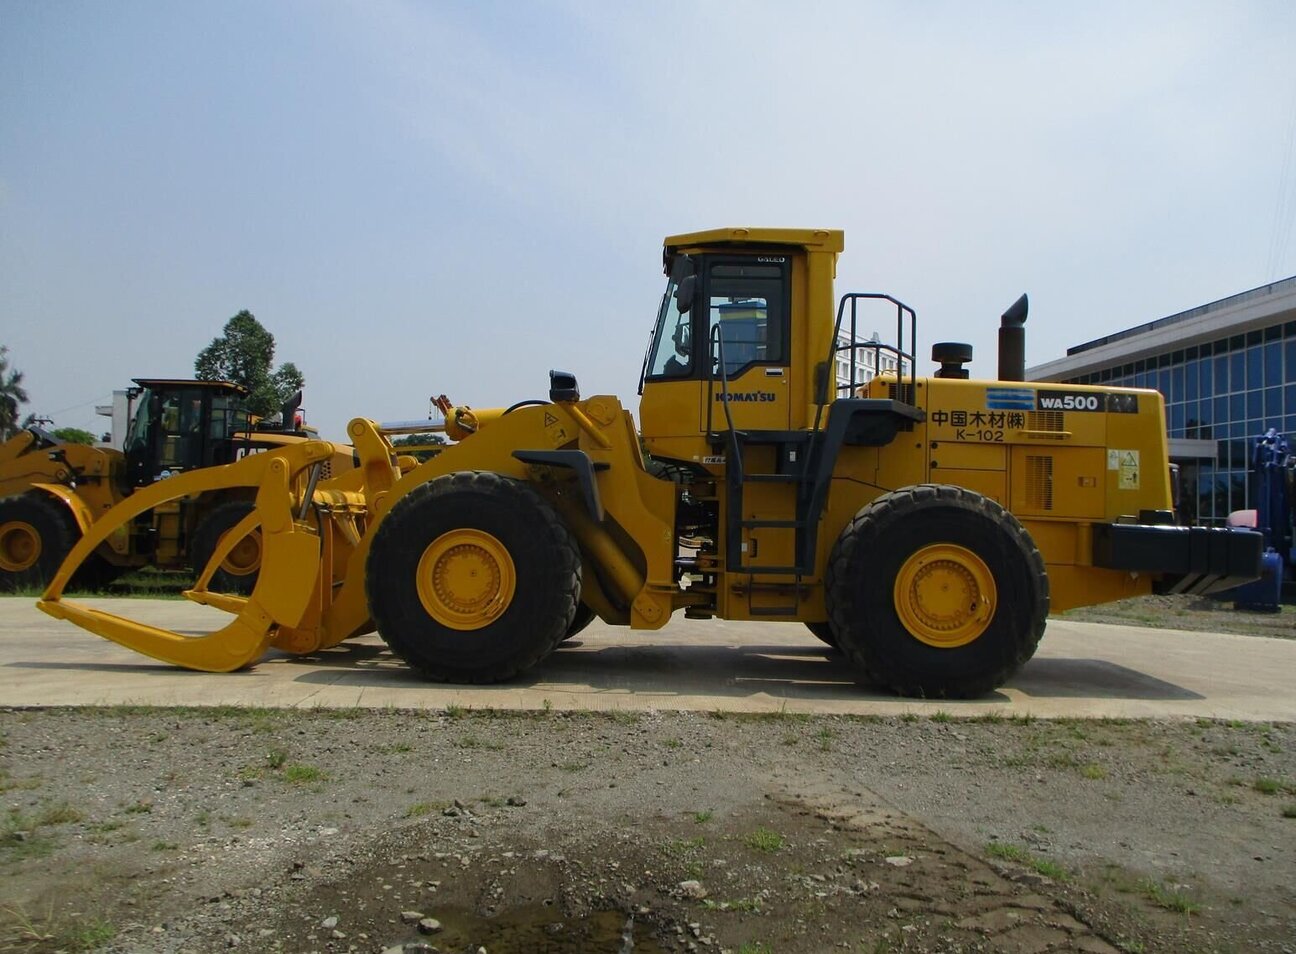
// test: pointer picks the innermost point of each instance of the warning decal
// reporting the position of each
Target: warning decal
(1126, 465)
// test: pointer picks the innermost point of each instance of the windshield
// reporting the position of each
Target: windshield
(137, 433)
(669, 352)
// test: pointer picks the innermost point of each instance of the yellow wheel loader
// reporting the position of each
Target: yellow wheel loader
(924, 526)
(51, 491)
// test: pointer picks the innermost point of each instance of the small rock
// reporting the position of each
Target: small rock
(338, 935)
(515, 801)
(429, 925)
(692, 889)
(412, 917)
(233, 940)
(899, 861)
(329, 922)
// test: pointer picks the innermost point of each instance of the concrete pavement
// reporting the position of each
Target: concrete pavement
(1085, 670)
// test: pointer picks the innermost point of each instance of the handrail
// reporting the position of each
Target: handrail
(716, 357)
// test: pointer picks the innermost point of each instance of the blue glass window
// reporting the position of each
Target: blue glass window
(1255, 366)
(1273, 363)
(1273, 401)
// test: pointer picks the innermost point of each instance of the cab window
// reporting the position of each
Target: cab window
(747, 312)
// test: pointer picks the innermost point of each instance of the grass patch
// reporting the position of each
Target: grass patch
(1271, 786)
(1289, 810)
(683, 846)
(61, 814)
(1167, 898)
(419, 809)
(87, 936)
(299, 772)
(1006, 851)
(702, 817)
(765, 840)
(1093, 771)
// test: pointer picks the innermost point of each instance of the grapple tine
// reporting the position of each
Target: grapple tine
(284, 586)
(236, 645)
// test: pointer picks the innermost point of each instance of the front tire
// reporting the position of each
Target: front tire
(937, 591)
(238, 571)
(36, 534)
(472, 577)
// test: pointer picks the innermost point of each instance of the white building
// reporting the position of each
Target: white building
(860, 361)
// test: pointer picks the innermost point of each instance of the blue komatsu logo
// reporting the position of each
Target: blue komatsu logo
(747, 397)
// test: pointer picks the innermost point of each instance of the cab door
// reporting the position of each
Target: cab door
(743, 313)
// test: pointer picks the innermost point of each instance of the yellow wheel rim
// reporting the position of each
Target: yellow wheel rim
(466, 579)
(945, 595)
(245, 558)
(20, 546)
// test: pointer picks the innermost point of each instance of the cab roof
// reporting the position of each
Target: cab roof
(824, 240)
(164, 384)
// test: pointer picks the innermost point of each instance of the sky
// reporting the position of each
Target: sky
(420, 198)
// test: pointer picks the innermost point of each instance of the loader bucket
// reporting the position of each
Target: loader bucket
(285, 586)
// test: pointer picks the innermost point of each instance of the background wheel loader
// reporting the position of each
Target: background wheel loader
(52, 490)
(923, 525)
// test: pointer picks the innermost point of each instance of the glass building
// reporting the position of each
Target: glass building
(1227, 371)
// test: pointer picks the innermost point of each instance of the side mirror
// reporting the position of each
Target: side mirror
(684, 294)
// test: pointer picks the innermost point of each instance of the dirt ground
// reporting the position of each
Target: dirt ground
(165, 830)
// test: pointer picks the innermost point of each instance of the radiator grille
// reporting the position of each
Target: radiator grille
(1043, 421)
(1039, 483)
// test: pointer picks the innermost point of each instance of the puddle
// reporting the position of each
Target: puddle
(539, 929)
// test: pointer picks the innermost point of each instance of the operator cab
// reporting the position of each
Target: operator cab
(722, 342)
(181, 425)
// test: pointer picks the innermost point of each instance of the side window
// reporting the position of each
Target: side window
(748, 304)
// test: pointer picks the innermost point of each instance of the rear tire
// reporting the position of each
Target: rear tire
(823, 631)
(473, 577)
(584, 616)
(36, 534)
(238, 572)
(936, 591)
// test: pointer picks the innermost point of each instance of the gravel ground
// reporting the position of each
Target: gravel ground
(1195, 613)
(166, 830)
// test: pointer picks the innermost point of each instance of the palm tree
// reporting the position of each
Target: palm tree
(11, 396)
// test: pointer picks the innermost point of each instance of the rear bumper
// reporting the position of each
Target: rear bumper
(1197, 560)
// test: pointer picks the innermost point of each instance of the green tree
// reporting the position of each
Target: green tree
(422, 444)
(74, 435)
(12, 396)
(244, 354)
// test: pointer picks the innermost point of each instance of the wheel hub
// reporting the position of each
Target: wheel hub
(245, 558)
(945, 595)
(466, 579)
(20, 546)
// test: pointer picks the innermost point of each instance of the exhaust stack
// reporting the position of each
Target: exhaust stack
(1012, 341)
